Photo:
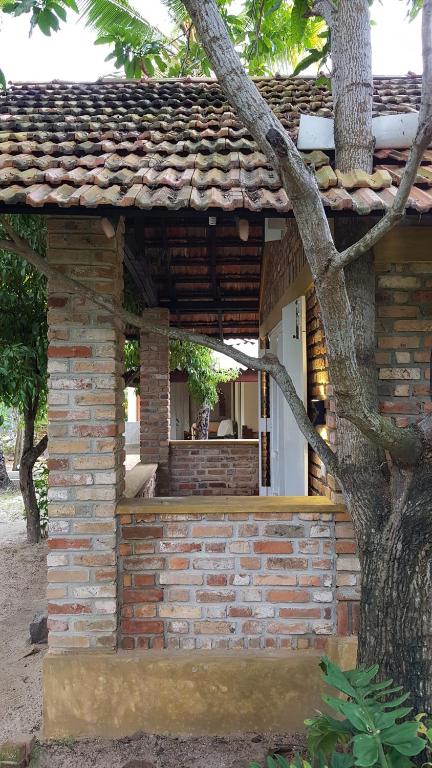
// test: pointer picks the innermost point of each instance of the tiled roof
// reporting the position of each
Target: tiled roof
(178, 144)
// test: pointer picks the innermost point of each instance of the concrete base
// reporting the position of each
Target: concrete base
(197, 693)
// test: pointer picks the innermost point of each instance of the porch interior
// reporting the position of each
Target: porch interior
(203, 271)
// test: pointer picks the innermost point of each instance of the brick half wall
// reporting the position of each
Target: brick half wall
(214, 468)
(233, 580)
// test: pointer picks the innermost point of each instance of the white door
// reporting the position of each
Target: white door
(283, 450)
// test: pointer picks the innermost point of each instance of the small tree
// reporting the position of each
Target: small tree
(23, 354)
(204, 377)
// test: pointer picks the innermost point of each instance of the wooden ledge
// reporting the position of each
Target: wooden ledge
(216, 443)
(210, 505)
(137, 477)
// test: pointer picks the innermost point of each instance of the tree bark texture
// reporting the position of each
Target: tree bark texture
(396, 589)
(18, 447)
(5, 481)
(30, 454)
(202, 423)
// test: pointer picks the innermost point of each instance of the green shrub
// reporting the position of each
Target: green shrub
(370, 728)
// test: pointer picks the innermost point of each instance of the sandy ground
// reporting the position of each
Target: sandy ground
(22, 594)
(160, 752)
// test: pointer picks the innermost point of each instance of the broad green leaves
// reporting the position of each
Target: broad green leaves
(371, 726)
(45, 15)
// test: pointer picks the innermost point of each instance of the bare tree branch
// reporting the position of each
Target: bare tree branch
(302, 190)
(268, 362)
(421, 142)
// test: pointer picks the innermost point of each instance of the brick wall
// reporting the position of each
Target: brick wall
(404, 341)
(214, 468)
(318, 386)
(155, 398)
(85, 427)
(227, 581)
(283, 261)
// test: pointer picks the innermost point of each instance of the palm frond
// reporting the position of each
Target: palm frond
(107, 15)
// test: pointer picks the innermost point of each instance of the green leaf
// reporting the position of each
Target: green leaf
(404, 738)
(365, 749)
(386, 719)
(351, 710)
(334, 676)
(342, 760)
(2, 81)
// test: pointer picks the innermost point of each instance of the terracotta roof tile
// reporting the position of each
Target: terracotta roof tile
(178, 144)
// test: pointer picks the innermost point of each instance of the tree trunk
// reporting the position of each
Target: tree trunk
(18, 447)
(29, 456)
(396, 594)
(202, 423)
(5, 481)
(352, 84)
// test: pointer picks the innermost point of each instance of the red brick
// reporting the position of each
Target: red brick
(69, 351)
(143, 580)
(273, 547)
(141, 627)
(68, 608)
(300, 613)
(142, 532)
(288, 596)
(178, 563)
(142, 595)
(216, 580)
(238, 611)
(69, 543)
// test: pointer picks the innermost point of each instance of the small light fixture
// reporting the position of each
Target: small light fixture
(212, 221)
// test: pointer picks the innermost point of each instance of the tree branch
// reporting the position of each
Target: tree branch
(421, 142)
(301, 187)
(326, 9)
(30, 457)
(268, 362)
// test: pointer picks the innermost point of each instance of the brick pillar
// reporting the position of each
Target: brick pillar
(85, 427)
(155, 398)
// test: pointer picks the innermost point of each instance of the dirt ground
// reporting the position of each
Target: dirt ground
(144, 751)
(22, 594)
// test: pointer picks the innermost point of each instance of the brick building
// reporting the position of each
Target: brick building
(166, 612)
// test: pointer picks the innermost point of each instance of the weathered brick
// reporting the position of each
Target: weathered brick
(273, 547)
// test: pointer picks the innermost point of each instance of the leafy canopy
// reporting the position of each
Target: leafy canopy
(204, 374)
(270, 35)
(203, 371)
(23, 323)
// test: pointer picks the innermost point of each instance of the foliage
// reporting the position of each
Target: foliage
(370, 730)
(270, 35)
(41, 475)
(370, 727)
(23, 324)
(204, 373)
